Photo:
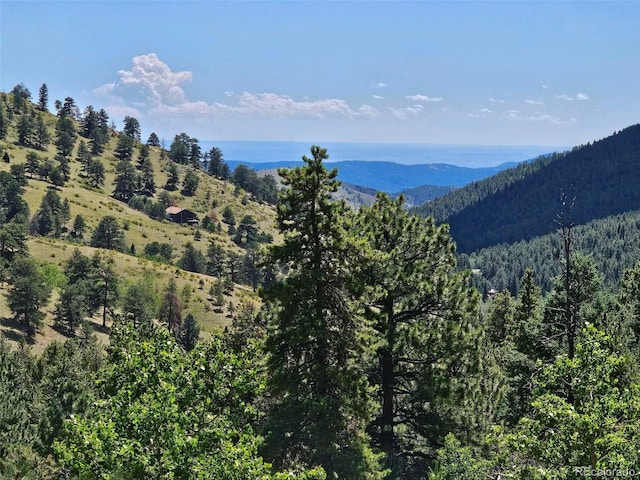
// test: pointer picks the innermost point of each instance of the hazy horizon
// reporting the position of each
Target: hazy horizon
(462, 155)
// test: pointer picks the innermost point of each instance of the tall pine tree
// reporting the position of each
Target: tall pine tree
(320, 396)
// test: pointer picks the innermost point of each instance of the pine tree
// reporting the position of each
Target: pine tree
(43, 98)
(108, 234)
(425, 328)
(171, 308)
(65, 135)
(189, 332)
(29, 292)
(126, 181)
(320, 400)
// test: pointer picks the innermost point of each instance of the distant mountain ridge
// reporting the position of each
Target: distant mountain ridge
(522, 203)
(393, 177)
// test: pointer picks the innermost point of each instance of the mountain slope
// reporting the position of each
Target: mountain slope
(524, 202)
(211, 197)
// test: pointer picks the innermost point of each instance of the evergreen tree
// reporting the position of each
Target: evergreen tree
(320, 399)
(108, 234)
(215, 260)
(146, 180)
(96, 174)
(41, 136)
(192, 259)
(107, 291)
(43, 98)
(78, 226)
(71, 309)
(190, 183)
(124, 148)
(171, 308)
(32, 165)
(25, 130)
(153, 140)
(131, 128)
(180, 149)
(126, 181)
(425, 329)
(28, 293)
(4, 123)
(173, 177)
(65, 135)
(215, 162)
(188, 333)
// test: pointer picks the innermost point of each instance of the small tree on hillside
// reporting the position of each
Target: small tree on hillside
(29, 292)
(108, 234)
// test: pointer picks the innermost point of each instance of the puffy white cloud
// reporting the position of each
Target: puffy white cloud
(581, 96)
(533, 102)
(153, 88)
(381, 85)
(424, 98)
(495, 100)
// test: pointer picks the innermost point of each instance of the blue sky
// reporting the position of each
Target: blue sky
(475, 73)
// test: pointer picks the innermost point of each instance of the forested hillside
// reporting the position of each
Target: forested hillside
(366, 352)
(523, 202)
(76, 188)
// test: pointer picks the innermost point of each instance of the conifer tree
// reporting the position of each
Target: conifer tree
(188, 332)
(320, 399)
(29, 292)
(43, 97)
(425, 327)
(171, 308)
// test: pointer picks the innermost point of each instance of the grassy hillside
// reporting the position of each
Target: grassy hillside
(210, 198)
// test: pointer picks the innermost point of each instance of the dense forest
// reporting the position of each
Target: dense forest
(522, 203)
(369, 353)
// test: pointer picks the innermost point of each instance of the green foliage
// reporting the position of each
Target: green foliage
(192, 259)
(603, 175)
(190, 411)
(159, 251)
(188, 333)
(36, 395)
(140, 302)
(126, 181)
(320, 395)
(599, 430)
(190, 183)
(108, 234)
(424, 336)
(28, 293)
(456, 462)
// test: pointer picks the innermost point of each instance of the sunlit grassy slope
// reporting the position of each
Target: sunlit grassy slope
(211, 197)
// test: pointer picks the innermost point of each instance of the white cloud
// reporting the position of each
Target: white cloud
(495, 100)
(545, 117)
(406, 112)
(155, 89)
(545, 86)
(381, 85)
(481, 113)
(533, 102)
(568, 98)
(378, 97)
(424, 98)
